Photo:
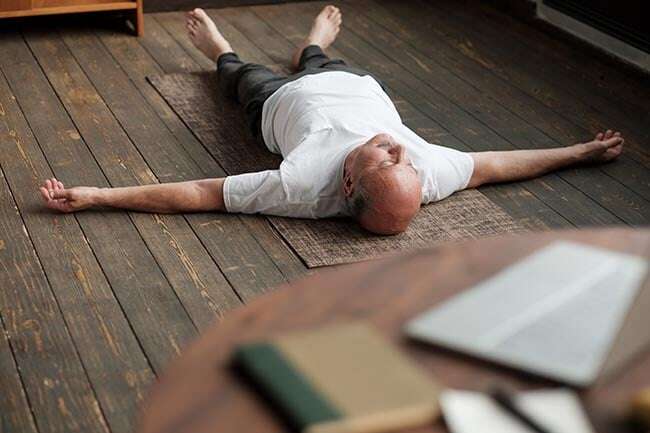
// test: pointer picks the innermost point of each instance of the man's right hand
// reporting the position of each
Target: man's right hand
(57, 197)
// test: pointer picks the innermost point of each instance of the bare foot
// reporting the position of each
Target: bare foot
(205, 36)
(323, 31)
(605, 147)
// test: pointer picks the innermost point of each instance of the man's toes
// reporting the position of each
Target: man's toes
(333, 12)
(195, 17)
(200, 14)
(608, 134)
(600, 136)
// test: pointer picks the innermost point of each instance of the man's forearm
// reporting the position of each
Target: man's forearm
(192, 196)
(508, 166)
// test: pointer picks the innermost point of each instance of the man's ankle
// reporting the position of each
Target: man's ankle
(309, 43)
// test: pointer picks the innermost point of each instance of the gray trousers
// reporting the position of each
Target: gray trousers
(251, 84)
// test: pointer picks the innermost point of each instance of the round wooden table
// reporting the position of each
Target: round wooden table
(199, 392)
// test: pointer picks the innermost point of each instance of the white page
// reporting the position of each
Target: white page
(558, 410)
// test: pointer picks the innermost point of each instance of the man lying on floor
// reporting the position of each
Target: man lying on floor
(345, 148)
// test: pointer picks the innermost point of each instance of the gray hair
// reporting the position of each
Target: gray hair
(359, 202)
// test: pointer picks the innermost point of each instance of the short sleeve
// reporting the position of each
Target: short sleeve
(448, 170)
(262, 192)
(259, 192)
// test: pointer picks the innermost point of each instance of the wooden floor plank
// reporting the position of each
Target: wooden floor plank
(510, 197)
(138, 64)
(14, 406)
(59, 393)
(615, 79)
(543, 79)
(196, 279)
(558, 66)
(270, 44)
(440, 41)
(170, 56)
(409, 27)
(153, 309)
(174, 24)
(110, 353)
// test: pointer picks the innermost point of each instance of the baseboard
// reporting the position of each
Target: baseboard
(595, 37)
(527, 11)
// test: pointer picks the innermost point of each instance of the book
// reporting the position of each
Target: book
(341, 378)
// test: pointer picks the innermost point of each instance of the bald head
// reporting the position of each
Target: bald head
(382, 187)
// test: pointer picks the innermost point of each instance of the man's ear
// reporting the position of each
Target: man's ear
(348, 185)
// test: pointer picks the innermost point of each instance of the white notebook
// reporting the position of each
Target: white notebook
(557, 410)
(555, 313)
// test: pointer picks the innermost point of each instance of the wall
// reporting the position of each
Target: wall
(181, 5)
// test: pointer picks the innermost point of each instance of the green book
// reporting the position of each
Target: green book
(343, 378)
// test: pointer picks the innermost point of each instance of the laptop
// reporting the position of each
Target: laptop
(556, 313)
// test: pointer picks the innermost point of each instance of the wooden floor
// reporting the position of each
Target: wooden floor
(94, 305)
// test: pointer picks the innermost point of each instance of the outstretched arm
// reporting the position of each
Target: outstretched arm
(508, 166)
(191, 196)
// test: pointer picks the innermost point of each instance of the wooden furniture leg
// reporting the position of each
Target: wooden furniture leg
(138, 20)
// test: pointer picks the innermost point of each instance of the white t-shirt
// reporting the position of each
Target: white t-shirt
(314, 122)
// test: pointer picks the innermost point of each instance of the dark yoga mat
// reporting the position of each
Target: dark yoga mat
(219, 124)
